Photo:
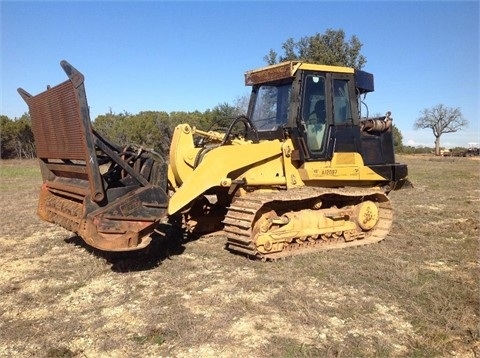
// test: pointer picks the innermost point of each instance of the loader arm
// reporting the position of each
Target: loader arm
(112, 197)
(216, 166)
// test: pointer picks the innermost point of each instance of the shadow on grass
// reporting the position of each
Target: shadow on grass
(161, 248)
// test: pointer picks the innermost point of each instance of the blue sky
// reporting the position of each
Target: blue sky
(184, 56)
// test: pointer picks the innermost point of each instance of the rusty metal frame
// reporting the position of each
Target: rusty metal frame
(106, 210)
(62, 129)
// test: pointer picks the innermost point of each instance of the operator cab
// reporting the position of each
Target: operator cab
(315, 105)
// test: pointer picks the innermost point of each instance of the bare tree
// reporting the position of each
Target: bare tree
(440, 119)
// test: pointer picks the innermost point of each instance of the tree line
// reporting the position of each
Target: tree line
(154, 129)
(151, 129)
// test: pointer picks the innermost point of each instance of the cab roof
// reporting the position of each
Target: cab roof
(286, 70)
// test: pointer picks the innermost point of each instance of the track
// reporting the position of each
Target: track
(245, 214)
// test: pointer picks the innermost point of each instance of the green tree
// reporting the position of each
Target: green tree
(113, 126)
(441, 120)
(16, 138)
(150, 129)
(397, 139)
(330, 48)
(222, 115)
(6, 137)
(195, 119)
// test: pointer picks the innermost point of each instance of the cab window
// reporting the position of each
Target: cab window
(341, 102)
(314, 112)
(271, 107)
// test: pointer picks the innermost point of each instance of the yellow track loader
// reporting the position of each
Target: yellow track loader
(302, 171)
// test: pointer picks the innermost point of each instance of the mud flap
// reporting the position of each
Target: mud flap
(110, 196)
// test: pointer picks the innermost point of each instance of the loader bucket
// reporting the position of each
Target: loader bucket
(112, 197)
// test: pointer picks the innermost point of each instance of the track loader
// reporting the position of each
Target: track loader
(300, 172)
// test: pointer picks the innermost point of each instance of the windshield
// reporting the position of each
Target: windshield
(271, 107)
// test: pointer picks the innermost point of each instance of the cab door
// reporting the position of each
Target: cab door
(314, 114)
(345, 131)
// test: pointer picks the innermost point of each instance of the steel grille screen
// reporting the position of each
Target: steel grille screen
(57, 124)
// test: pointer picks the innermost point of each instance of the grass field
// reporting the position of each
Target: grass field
(416, 294)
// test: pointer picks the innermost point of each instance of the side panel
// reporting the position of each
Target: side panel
(377, 148)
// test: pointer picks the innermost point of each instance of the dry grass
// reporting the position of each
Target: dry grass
(416, 294)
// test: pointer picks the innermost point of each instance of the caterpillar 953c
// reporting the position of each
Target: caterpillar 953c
(300, 172)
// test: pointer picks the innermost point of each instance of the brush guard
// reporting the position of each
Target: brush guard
(112, 197)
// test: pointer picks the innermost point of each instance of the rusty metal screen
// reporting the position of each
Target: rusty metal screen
(57, 123)
(271, 73)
